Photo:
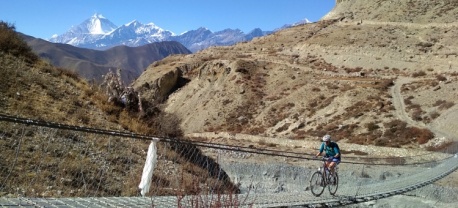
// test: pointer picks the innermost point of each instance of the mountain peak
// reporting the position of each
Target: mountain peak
(98, 16)
(88, 30)
(98, 24)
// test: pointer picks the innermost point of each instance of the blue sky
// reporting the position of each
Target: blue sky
(43, 18)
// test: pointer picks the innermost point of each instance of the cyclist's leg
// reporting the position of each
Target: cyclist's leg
(328, 163)
(331, 166)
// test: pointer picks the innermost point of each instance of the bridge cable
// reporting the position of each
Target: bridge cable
(252, 150)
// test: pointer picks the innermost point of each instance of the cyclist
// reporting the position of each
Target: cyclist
(332, 151)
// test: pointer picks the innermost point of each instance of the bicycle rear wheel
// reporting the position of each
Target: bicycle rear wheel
(333, 184)
(317, 183)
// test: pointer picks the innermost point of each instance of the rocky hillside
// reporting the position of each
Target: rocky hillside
(378, 73)
(442, 11)
(48, 162)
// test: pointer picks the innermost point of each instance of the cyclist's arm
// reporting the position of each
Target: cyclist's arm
(337, 151)
(321, 150)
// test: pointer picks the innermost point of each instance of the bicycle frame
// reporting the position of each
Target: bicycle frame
(322, 178)
(325, 170)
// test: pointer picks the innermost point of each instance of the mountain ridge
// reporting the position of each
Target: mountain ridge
(136, 34)
(93, 64)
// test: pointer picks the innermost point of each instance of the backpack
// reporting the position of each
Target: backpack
(332, 145)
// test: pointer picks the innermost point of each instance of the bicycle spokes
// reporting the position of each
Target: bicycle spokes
(317, 183)
(333, 183)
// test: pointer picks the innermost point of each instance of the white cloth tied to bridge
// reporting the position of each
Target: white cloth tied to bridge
(150, 164)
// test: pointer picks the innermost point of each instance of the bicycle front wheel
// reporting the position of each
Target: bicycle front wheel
(333, 183)
(317, 183)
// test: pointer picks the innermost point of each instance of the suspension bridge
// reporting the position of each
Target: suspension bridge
(46, 164)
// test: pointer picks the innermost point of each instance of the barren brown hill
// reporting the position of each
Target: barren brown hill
(380, 73)
(50, 162)
(93, 64)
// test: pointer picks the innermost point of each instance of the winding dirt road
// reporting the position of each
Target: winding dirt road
(444, 126)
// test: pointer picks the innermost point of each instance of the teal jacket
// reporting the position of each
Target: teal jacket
(331, 150)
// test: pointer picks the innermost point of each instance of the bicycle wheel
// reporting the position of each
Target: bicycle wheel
(333, 184)
(317, 183)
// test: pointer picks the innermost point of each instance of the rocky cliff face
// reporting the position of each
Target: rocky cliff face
(415, 11)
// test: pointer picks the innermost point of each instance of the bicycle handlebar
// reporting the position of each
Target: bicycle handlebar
(327, 158)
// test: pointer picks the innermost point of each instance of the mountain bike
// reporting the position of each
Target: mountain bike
(322, 178)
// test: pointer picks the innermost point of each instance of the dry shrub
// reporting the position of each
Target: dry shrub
(299, 135)
(364, 139)
(284, 127)
(434, 115)
(384, 84)
(422, 135)
(417, 114)
(372, 126)
(384, 142)
(330, 127)
(12, 43)
(419, 74)
(441, 77)
(439, 102)
(316, 89)
(163, 124)
(446, 105)
(397, 133)
(443, 104)
(407, 101)
(256, 130)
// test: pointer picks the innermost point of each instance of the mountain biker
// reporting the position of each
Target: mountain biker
(332, 151)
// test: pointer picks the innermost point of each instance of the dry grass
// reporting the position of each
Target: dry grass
(11, 43)
(56, 163)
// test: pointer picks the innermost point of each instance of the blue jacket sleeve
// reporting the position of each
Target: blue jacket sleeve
(336, 150)
(321, 147)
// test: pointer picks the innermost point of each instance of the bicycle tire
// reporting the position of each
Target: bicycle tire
(333, 184)
(317, 183)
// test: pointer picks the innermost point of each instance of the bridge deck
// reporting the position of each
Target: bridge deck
(348, 195)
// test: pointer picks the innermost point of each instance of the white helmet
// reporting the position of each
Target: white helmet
(327, 138)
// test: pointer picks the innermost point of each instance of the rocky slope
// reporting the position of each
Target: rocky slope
(371, 73)
(334, 76)
(443, 11)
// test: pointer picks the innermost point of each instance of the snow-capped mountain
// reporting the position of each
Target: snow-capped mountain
(99, 33)
(132, 34)
(88, 31)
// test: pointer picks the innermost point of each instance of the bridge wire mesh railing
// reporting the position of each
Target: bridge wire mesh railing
(47, 160)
